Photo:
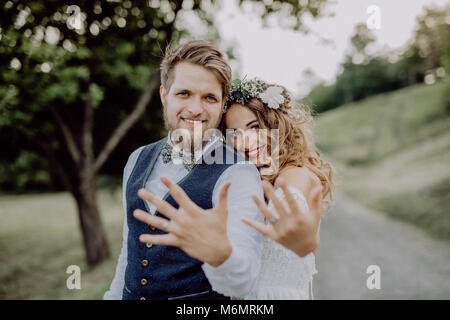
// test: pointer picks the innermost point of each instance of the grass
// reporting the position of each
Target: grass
(427, 208)
(391, 151)
(40, 238)
(368, 131)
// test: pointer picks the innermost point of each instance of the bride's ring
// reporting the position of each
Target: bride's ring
(166, 225)
(274, 220)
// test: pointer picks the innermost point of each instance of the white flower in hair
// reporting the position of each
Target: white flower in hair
(273, 97)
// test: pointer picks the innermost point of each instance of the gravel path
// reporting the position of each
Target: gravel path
(413, 266)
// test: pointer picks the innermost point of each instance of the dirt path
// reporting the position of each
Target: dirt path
(413, 266)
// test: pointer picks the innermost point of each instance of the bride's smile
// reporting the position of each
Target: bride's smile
(248, 138)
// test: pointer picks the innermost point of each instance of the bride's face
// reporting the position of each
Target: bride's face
(248, 138)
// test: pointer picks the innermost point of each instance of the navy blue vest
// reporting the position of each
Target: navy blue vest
(165, 272)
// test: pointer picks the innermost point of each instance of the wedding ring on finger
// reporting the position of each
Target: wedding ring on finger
(274, 219)
(166, 225)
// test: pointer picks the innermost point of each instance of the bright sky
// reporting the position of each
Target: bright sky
(280, 56)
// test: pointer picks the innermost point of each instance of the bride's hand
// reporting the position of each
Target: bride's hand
(200, 233)
(288, 224)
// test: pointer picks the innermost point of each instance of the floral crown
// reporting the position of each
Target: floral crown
(272, 96)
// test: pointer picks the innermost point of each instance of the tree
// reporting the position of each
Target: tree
(431, 42)
(76, 79)
(360, 40)
(363, 74)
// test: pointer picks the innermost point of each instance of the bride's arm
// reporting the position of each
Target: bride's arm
(297, 226)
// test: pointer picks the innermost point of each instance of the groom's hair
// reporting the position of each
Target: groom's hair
(201, 53)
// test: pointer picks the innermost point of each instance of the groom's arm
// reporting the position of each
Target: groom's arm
(116, 289)
(237, 275)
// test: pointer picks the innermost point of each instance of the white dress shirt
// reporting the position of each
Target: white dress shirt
(237, 275)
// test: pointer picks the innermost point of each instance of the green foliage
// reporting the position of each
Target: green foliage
(96, 94)
(30, 171)
(428, 54)
(290, 12)
(356, 82)
(64, 84)
(362, 37)
(53, 57)
(432, 38)
(45, 64)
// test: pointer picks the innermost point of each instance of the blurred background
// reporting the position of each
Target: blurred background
(79, 92)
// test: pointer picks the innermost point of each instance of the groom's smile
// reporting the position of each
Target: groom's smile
(191, 123)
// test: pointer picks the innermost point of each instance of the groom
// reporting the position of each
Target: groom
(195, 80)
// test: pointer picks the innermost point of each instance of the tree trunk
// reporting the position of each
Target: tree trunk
(94, 238)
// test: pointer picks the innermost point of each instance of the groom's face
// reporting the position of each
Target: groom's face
(194, 99)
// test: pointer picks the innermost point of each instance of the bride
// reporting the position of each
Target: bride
(295, 180)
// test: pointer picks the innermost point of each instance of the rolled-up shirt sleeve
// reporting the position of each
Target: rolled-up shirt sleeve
(116, 288)
(237, 275)
(118, 282)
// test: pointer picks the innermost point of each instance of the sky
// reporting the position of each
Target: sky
(280, 56)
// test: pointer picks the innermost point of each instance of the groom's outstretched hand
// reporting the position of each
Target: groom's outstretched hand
(200, 233)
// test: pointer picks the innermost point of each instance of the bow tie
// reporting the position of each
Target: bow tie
(168, 154)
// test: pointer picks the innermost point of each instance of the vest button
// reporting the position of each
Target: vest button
(144, 263)
(143, 281)
(152, 227)
(142, 298)
(149, 245)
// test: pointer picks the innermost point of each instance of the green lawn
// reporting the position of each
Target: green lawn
(392, 150)
(428, 208)
(367, 131)
(40, 238)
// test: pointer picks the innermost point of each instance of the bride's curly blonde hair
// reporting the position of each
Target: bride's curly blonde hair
(296, 146)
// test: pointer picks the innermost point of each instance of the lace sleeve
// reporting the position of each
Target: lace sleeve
(296, 193)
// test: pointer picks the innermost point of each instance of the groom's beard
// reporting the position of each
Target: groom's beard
(191, 139)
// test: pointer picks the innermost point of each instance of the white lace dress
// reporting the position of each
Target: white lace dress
(284, 275)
